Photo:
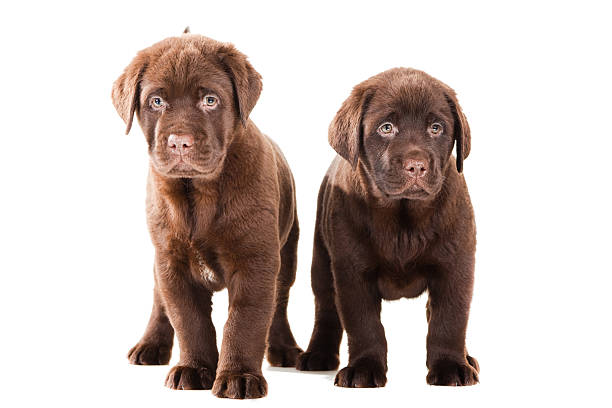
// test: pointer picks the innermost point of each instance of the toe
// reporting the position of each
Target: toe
(190, 378)
(149, 354)
(240, 386)
(317, 361)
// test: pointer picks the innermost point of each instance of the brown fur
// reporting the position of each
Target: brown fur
(223, 217)
(382, 234)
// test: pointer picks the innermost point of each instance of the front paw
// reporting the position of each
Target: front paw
(317, 361)
(240, 385)
(362, 375)
(149, 354)
(453, 373)
(190, 378)
(283, 356)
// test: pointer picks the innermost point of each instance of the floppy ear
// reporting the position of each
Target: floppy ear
(345, 130)
(246, 81)
(462, 128)
(126, 90)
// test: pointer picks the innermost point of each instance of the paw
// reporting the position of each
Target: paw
(453, 373)
(317, 361)
(190, 378)
(149, 354)
(361, 375)
(283, 356)
(240, 385)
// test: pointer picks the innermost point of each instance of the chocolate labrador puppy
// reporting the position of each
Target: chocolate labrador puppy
(394, 219)
(221, 214)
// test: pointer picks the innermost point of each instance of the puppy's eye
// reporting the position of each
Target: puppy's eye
(436, 129)
(157, 103)
(210, 101)
(386, 129)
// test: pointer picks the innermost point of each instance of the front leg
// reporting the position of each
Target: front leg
(450, 294)
(155, 346)
(188, 305)
(359, 305)
(251, 288)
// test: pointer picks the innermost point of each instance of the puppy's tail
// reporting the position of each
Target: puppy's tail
(186, 30)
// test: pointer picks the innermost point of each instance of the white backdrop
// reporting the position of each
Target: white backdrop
(76, 260)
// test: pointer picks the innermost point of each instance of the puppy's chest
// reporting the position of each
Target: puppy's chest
(204, 244)
(400, 243)
(192, 234)
(403, 257)
(205, 267)
(193, 221)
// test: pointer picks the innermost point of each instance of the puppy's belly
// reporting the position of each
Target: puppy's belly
(393, 287)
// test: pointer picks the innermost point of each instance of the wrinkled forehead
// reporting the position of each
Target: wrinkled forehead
(183, 70)
(408, 97)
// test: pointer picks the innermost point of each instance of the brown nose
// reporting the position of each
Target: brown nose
(180, 144)
(415, 168)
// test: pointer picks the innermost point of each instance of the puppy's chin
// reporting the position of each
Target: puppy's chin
(182, 169)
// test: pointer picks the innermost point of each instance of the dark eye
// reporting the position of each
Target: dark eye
(436, 129)
(385, 129)
(156, 102)
(210, 101)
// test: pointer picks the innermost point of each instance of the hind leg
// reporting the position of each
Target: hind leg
(282, 349)
(155, 346)
(324, 348)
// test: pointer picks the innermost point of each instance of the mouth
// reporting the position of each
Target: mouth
(183, 171)
(414, 190)
(183, 168)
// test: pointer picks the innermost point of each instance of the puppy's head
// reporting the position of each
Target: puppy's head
(401, 125)
(190, 94)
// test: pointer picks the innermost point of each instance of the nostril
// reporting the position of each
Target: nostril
(415, 168)
(172, 141)
(180, 143)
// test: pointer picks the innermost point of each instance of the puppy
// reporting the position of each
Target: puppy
(221, 213)
(394, 219)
